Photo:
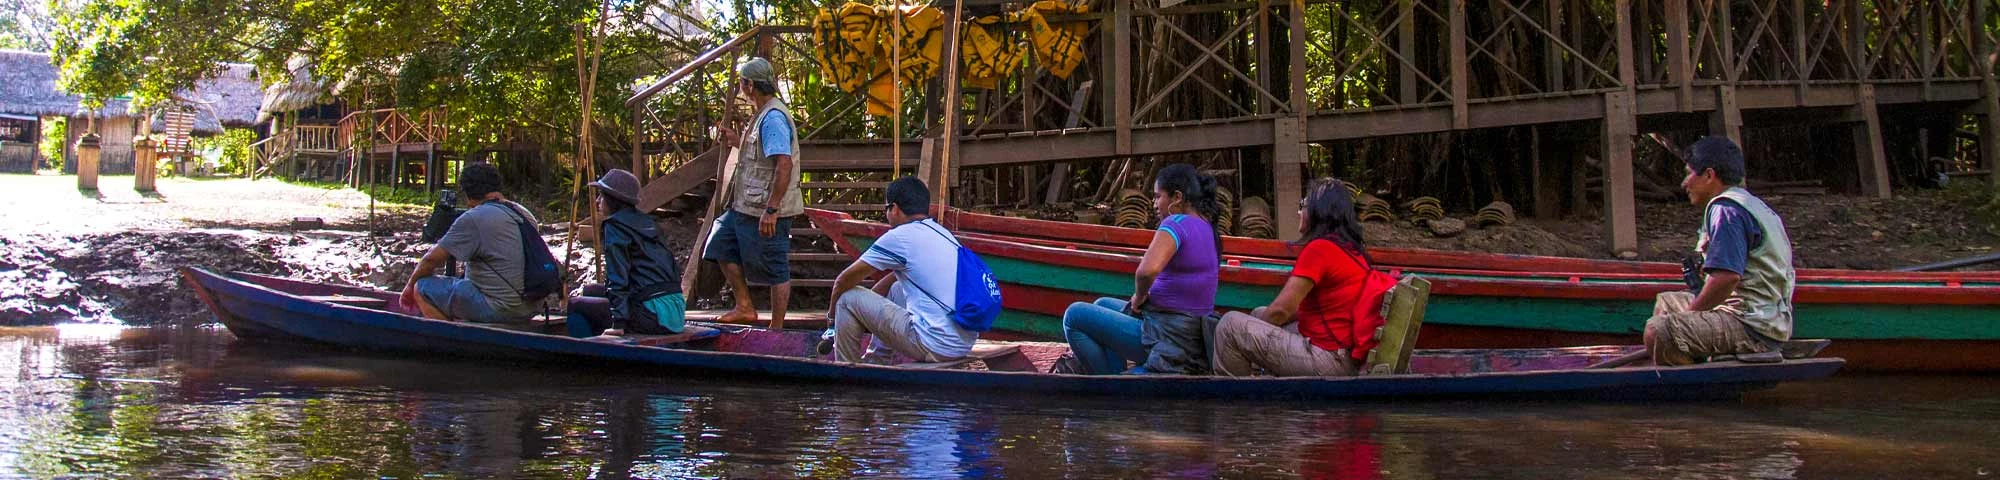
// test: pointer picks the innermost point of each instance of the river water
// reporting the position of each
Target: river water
(101, 401)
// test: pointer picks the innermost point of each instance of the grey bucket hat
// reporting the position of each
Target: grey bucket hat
(619, 184)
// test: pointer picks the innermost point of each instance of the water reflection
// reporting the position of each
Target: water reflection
(191, 403)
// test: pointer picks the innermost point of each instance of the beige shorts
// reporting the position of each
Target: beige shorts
(1697, 335)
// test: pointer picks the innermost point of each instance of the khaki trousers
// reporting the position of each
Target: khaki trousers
(1243, 343)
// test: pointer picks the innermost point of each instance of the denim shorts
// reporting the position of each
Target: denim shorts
(458, 298)
(766, 261)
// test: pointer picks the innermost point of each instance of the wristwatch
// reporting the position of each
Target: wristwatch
(769, 210)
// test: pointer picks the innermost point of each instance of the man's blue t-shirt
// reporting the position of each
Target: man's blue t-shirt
(1732, 232)
(776, 134)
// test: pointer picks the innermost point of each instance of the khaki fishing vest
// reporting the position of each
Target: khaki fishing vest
(1764, 298)
(750, 185)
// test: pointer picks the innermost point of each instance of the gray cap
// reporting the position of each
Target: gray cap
(757, 69)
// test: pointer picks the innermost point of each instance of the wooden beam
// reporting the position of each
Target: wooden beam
(1296, 29)
(1288, 151)
(1622, 11)
(1726, 119)
(1263, 46)
(1620, 206)
(1406, 44)
(638, 145)
(1121, 75)
(1869, 157)
(1857, 39)
(1680, 67)
(1552, 54)
(1989, 94)
(680, 181)
(1460, 66)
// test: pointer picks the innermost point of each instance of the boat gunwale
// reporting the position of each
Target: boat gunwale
(1738, 376)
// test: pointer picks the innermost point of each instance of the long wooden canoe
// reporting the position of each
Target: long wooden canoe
(259, 308)
(1031, 230)
(1904, 325)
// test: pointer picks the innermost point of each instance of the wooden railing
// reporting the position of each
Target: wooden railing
(391, 127)
(306, 139)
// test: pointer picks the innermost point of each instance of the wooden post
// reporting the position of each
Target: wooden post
(1264, 55)
(1121, 76)
(639, 144)
(87, 149)
(1620, 209)
(1680, 67)
(1288, 151)
(1727, 45)
(1800, 53)
(1298, 37)
(1727, 119)
(1868, 151)
(1548, 175)
(1989, 95)
(1552, 55)
(1857, 39)
(1622, 11)
(1460, 67)
(145, 169)
(1406, 44)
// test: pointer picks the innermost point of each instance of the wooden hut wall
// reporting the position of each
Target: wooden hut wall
(18, 150)
(114, 136)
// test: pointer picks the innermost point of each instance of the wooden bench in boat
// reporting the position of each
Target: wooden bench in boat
(998, 358)
(350, 300)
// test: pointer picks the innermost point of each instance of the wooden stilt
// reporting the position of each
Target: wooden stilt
(1869, 156)
(1727, 119)
(1288, 155)
(1620, 209)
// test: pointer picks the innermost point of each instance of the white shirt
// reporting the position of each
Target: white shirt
(927, 262)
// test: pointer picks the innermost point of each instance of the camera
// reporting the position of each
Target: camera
(443, 213)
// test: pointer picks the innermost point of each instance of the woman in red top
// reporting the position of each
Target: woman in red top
(1333, 294)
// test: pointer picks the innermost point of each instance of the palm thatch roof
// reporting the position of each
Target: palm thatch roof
(298, 89)
(228, 100)
(28, 87)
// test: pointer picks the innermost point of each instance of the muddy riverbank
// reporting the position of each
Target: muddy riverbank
(111, 255)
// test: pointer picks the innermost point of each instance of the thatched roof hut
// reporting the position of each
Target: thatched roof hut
(28, 87)
(298, 89)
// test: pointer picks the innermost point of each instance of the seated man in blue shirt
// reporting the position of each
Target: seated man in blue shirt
(1744, 300)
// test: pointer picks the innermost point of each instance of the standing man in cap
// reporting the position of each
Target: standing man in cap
(642, 286)
(752, 241)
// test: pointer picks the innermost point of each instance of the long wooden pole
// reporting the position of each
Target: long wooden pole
(896, 89)
(941, 193)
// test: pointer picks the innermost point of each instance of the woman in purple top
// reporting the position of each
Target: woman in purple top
(1161, 326)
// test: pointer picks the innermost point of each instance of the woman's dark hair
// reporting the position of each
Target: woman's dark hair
(1199, 191)
(763, 87)
(1330, 215)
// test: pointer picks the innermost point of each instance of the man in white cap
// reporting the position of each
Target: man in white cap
(752, 241)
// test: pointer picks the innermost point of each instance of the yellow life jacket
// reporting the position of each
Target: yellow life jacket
(1057, 46)
(990, 50)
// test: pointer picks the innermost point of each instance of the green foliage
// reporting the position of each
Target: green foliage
(231, 150)
(54, 131)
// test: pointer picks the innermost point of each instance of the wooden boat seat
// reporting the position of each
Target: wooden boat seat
(998, 358)
(693, 333)
(350, 300)
(1403, 310)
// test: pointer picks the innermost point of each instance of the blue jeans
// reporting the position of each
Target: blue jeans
(1102, 336)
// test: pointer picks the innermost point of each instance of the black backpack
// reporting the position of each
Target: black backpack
(539, 274)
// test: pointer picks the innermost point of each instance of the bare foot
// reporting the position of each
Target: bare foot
(738, 316)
